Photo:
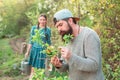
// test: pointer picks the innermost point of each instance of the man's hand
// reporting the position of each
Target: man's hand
(65, 53)
(56, 61)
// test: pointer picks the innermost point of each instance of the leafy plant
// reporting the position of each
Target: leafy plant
(49, 51)
(40, 75)
(38, 37)
(67, 38)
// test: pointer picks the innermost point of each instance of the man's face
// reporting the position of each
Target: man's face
(63, 27)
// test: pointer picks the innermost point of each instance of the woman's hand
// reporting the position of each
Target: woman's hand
(26, 55)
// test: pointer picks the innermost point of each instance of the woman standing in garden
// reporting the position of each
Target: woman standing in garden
(34, 49)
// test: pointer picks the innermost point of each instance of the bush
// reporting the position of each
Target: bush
(110, 41)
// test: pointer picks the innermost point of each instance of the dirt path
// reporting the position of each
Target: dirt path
(16, 44)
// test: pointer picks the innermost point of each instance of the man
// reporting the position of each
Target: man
(83, 55)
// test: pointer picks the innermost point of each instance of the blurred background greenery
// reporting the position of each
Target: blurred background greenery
(17, 17)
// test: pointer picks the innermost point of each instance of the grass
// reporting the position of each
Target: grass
(8, 58)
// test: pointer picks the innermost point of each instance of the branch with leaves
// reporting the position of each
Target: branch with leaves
(67, 39)
(49, 49)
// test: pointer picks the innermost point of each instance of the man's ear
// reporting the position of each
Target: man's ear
(70, 20)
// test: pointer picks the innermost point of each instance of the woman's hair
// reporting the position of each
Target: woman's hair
(42, 15)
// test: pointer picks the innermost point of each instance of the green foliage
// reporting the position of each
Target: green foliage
(49, 50)
(102, 15)
(39, 6)
(8, 59)
(110, 37)
(13, 18)
(67, 38)
(111, 70)
(38, 37)
(40, 75)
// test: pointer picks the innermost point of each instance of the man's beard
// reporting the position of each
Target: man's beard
(70, 31)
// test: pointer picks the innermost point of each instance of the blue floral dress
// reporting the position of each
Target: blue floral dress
(37, 58)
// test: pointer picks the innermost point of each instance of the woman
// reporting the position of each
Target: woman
(36, 57)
